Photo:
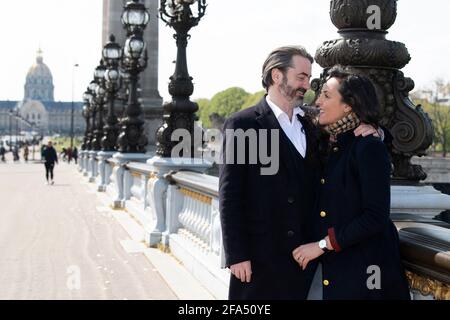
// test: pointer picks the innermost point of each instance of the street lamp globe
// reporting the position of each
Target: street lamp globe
(112, 76)
(92, 88)
(87, 96)
(100, 91)
(99, 73)
(112, 52)
(135, 16)
(85, 111)
(134, 46)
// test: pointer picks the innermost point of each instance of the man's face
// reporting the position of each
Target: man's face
(49, 144)
(295, 81)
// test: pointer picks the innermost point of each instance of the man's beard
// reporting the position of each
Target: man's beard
(291, 94)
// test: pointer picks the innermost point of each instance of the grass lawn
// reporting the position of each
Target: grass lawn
(64, 142)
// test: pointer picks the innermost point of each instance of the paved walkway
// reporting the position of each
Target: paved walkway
(57, 243)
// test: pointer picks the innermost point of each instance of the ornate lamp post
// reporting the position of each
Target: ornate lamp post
(87, 116)
(93, 111)
(112, 53)
(180, 112)
(123, 94)
(99, 97)
(364, 49)
(134, 18)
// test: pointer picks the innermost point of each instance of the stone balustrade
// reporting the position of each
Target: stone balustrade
(179, 212)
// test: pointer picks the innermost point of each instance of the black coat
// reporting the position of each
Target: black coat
(49, 155)
(265, 217)
(353, 210)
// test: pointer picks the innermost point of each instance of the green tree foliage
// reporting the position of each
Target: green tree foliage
(309, 97)
(224, 103)
(231, 100)
(203, 110)
(253, 99)
(440, 115)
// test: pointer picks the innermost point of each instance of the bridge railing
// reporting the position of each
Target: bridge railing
(179, 212)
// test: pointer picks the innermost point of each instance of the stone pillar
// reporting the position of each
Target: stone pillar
(151, 99)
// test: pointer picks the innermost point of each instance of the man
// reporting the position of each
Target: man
(266, 216)
(69, 154)
(75, 155)
(50, 158)
(2, 153)
(16, 156)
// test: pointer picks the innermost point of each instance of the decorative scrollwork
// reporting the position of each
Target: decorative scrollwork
(347, 14)
(427, 286)
(363, 52)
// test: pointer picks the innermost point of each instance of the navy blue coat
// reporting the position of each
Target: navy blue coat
(353, 210)
(265, 217)
(50, 156)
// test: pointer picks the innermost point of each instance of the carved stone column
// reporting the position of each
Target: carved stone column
(364, 49)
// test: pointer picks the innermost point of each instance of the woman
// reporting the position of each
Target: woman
(357, 242)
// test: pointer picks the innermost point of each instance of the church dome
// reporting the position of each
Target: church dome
(39, 81)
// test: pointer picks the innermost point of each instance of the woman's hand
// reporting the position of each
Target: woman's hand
(306, 253)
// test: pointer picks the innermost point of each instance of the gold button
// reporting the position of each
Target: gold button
(335, 149)
(323, 214)
(326, 282)
(322, 181)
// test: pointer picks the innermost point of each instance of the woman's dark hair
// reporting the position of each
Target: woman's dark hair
(359, 93)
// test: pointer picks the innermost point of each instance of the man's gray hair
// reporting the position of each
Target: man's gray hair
(281, 58)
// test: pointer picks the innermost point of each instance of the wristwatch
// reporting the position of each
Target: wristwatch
(323, 245)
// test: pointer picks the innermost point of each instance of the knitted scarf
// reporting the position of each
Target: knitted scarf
(349, 122)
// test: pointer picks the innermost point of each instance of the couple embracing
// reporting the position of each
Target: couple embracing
(318, 228)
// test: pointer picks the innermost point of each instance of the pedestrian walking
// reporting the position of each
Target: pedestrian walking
(26, 152)
(75, 155)
(50, 156)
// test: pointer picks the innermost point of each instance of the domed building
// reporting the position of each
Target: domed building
(39, 81)
(38, 111)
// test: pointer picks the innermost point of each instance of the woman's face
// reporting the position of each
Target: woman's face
(330, 103)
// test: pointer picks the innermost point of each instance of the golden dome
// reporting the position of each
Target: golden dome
(39, 69)
(39, 81)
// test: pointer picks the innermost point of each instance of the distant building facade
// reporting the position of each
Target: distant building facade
(38, 109)
(443, 98)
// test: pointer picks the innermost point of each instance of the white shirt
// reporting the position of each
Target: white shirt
(293, 129)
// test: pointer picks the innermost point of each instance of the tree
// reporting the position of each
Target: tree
(224, 103)
(253, 99)
(440, 115)
(203, 110)
(309, 97)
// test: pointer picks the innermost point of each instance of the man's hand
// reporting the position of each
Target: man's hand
(242, 271)
(366, 130)
(306, 253)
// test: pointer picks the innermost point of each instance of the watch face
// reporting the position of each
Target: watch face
(322, 244)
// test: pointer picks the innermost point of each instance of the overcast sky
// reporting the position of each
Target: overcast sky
(226, 49)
